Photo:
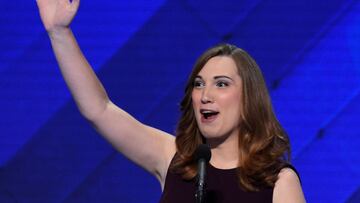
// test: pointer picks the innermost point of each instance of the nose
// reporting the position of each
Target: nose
(206, 96)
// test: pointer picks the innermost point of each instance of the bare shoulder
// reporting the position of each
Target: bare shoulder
(288, 188)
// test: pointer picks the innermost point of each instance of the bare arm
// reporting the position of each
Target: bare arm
(150, 148)
(287, 188)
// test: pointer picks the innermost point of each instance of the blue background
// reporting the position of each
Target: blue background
(143, 51)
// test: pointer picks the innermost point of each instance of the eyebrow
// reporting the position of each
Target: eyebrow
(216, 77)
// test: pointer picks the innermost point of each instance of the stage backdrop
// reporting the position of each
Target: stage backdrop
(143, 51)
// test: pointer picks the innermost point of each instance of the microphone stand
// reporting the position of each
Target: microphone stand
(201, 190)
(202, 156)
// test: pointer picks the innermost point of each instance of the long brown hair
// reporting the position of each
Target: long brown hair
(263, 144)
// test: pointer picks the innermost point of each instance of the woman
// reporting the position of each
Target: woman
(226, 106)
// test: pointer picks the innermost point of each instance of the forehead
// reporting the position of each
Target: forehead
(219, 65)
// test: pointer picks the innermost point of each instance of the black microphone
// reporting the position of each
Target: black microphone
(202, 156)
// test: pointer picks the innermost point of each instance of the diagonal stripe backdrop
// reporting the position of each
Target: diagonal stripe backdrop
(143, 51)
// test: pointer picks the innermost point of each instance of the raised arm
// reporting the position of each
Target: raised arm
(150, 148)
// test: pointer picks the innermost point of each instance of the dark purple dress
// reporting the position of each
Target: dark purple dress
(222, 186)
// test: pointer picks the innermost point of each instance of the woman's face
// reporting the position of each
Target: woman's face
(217, 97)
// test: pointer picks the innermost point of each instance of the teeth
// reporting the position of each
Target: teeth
(207, 111)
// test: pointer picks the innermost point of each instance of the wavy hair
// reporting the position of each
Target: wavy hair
(263, 144)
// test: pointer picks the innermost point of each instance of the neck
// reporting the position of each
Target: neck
(225, 153)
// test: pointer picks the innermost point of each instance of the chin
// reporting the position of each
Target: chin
(215, 137)
(211, 134)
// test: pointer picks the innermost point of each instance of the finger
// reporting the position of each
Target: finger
(43, 2)
(75, 3)
(70, 1)
(64, 3)
(39, 3)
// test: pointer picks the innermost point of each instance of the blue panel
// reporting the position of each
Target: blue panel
(331, 165)
(57, 158)
(312, 101)
(277, 32)
(320, 85)
(20, 26)
(219, 17)
(30, 82)
(117, 181)
(355, 197)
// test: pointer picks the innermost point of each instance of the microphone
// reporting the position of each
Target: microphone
(202, 156)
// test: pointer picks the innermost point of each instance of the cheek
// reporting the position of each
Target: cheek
(196, 101)
(195, 98)
(232, 104)
(233, 99)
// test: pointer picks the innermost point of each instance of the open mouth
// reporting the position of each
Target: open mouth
(208, 115)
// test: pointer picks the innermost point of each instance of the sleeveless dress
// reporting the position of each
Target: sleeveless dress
(222, 186)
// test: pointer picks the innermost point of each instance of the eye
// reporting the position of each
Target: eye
(198, 84)
(222, 84)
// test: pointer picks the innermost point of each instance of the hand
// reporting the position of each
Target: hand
(57, 14)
